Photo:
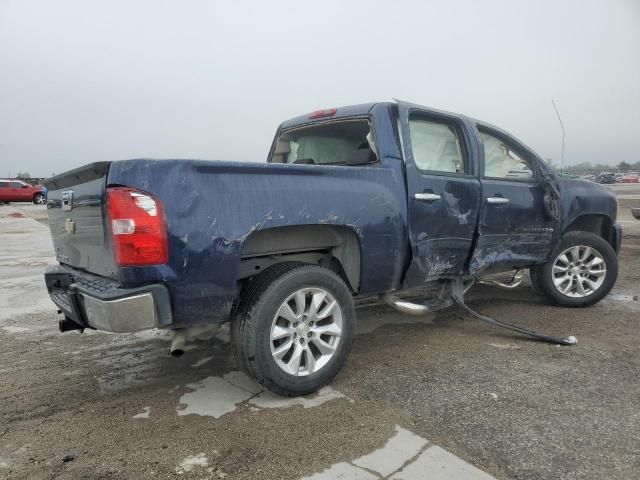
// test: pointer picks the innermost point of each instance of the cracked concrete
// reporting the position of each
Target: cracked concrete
(405, 456)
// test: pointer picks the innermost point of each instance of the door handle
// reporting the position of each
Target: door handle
(427, 197)
(497, 200)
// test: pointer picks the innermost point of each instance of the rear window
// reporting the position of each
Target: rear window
(4, 184)
(336, 143)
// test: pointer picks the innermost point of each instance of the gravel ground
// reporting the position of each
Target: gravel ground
(513, 407)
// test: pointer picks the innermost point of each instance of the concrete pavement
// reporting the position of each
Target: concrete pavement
(440, 396)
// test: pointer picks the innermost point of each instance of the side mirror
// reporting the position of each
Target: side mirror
(25, 186)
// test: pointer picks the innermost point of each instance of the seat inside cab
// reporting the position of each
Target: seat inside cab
(349, 142)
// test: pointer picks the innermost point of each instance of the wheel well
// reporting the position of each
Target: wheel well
(599, 224)
(334, 247)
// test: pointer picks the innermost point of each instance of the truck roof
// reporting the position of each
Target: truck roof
(364, 109)
(361, 109)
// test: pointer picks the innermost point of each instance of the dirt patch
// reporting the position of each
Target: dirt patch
(12, 215)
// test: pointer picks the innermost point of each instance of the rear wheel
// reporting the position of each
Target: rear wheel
(582, 271)
(39, 199)
(294, 328)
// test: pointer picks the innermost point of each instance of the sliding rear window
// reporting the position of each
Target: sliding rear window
(349, 142)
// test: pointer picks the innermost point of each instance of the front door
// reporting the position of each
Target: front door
(514, 229)
(443, 190)
(19, 192)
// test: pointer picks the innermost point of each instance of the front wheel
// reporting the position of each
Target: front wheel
(294, 328)
(39, 199)
(581, 272)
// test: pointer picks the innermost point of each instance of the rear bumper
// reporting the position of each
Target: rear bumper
(95, 302)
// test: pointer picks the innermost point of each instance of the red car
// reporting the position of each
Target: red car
(630, 179)
(19, 191)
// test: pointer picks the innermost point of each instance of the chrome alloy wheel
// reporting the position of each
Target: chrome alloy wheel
(306, 331)
(579, 271)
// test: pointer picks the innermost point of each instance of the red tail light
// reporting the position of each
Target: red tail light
(136, 223)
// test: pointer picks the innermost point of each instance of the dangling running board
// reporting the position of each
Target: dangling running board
(453, 293)
(457, 292)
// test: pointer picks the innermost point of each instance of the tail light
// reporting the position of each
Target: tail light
(136, 222)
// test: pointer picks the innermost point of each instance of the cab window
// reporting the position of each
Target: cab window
(502, 161)
(336, 143)
(436, 146)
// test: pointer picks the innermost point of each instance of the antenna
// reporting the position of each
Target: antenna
(561, 126)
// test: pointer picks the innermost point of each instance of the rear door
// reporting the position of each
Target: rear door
(443, 189)
(514, 229)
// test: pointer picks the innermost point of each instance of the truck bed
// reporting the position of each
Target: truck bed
(212, 208)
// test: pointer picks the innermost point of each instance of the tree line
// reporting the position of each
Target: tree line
(584, 166)
(595, 167)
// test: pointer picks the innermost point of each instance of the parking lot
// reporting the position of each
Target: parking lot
(440, 396)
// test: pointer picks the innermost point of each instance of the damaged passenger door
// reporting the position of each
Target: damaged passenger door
(443, 190)
(515, 229)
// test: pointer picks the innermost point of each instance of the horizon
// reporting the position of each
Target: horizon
(86, 82)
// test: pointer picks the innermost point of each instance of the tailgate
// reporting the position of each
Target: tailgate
(75, 204)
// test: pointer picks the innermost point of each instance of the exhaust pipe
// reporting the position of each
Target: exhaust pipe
(178, 342)
(180, 337)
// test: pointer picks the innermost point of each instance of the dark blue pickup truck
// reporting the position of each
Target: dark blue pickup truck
(356, 201)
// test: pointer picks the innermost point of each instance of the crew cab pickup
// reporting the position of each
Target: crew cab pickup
(352, 202)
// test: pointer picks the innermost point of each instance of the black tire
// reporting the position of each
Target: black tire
(542, 276)
(251, 326)
(39, 199)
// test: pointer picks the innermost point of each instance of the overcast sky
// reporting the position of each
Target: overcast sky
(83, 81)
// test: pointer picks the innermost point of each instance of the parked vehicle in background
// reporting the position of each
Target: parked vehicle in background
(569, 175)
(12, 190)
(630, 179)
(619, 177)
(591, 178)
(353, 201)
(607, 178)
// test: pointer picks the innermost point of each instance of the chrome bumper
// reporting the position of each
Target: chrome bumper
(128, 314)
(95, 302)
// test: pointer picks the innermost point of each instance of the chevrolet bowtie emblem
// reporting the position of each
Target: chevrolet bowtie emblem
(69, 226)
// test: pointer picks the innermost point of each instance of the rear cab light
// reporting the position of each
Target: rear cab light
(137, 227)
(328, 112)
